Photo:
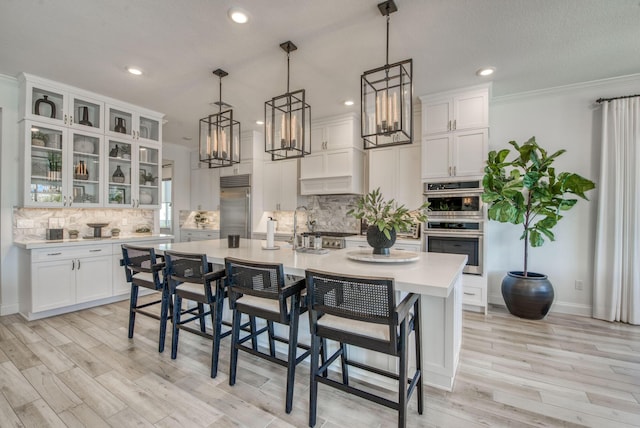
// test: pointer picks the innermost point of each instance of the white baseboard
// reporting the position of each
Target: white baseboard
(558, 306)
(9, 309)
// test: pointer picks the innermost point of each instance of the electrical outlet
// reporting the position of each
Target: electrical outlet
(24, 223)
(579, 284)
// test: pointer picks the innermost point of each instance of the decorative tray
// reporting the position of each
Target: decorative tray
(397, 256)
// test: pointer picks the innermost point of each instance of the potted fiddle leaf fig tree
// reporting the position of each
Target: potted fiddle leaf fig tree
(527, 191)
(385, 218)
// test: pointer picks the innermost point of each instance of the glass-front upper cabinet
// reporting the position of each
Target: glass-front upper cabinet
(56, 104)
(62, 167)
(133, 174)
(139, 126)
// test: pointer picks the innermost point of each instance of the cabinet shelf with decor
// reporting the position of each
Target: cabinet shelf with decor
(134, 124)
(133, 172)
(62, 167)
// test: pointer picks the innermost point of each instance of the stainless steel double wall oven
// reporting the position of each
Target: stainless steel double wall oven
(456, 221)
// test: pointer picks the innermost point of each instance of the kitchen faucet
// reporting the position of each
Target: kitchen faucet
(295, 224)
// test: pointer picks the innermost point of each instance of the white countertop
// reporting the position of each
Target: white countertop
(35, 244)
(433, 274)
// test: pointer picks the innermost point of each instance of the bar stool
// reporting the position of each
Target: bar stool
(262, 290)
(191, 277)
(362, 312)
(143, 268)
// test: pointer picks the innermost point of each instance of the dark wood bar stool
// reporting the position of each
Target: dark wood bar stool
(362, 312)
(143, 268)
(262, 290)
(191, 277)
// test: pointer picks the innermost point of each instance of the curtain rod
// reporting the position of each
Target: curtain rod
(601, 100)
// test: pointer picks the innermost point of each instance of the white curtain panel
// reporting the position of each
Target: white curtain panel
(616, 294)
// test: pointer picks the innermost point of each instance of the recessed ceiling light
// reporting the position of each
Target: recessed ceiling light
(134, 70)
(485, 71)
(259, 122)
(348, 103)
(238, 16)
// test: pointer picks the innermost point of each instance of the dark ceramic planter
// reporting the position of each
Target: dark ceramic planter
(379, 241)
(528, 296)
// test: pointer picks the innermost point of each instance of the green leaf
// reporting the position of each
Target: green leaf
(535, 239)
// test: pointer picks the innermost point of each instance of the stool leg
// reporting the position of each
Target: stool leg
(323, 356)
(313, 383)
(164, 314)
(402, 377)
(418, 338)
(132, 308)
(272, 342)
(253, 328)
(216, 324)
(177, 310)
(343, 363)
(293, 347)
(235, 334)
(203, 324)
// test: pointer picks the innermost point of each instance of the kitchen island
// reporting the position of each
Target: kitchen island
(436, 277)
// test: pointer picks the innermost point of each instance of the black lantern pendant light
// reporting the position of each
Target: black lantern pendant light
(220, 134)
(287, 121)
(386, 99)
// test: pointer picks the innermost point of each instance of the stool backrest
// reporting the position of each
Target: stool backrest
(139, 259)
(255, 278)
(359, 298)
(186, 267)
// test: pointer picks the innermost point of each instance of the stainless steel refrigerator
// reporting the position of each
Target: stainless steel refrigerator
(235, 206)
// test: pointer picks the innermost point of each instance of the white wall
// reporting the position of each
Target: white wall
(560, 118)
(9, 161)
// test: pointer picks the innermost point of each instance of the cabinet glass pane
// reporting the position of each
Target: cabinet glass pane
(149, 129)
(120, 121)
(47, 103)
(119, 173)
(46, 165)
(86, 169)
(149, 176)
(87, 113)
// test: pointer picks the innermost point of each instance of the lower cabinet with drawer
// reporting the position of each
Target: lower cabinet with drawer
(188, 235)
(67, 276)
(474, 292)
(56, 279)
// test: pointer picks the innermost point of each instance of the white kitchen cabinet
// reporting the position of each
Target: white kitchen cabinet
(129, 122)
(457, 155)
(468, 109)
(64, 276)
(280, 184)
(134, 174)
(474, 292)
(335, 133)
(396, 171)
(189, 235)
(244, 167)
(205, 185)
(63, 167)
(57, 104)
(332, 172)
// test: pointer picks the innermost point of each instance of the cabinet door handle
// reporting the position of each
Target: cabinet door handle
(53, 254)
(466, 293)
(78, 264)
(73, 264)
(454, 124)
(449, 126)
(70, 120)
(95, 251)
(65, 119)
(454, 170)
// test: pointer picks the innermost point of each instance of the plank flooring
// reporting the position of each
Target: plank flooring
(80, 369)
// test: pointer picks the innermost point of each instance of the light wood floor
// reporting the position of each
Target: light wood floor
(80, 369)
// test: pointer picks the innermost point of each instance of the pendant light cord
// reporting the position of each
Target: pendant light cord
(220, 96)
(288, 72)
(388, 19)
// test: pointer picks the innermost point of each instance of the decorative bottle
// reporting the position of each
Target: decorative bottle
(118, 175)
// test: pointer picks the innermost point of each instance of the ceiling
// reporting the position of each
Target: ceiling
(533, 44)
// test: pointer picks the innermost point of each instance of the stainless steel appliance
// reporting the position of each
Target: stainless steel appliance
(235, 206)
(457, 237)
(458, 199)
(334, 240)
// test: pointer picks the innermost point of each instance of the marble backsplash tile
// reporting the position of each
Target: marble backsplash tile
(78, 219)
(211, 219)
(330, 212)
